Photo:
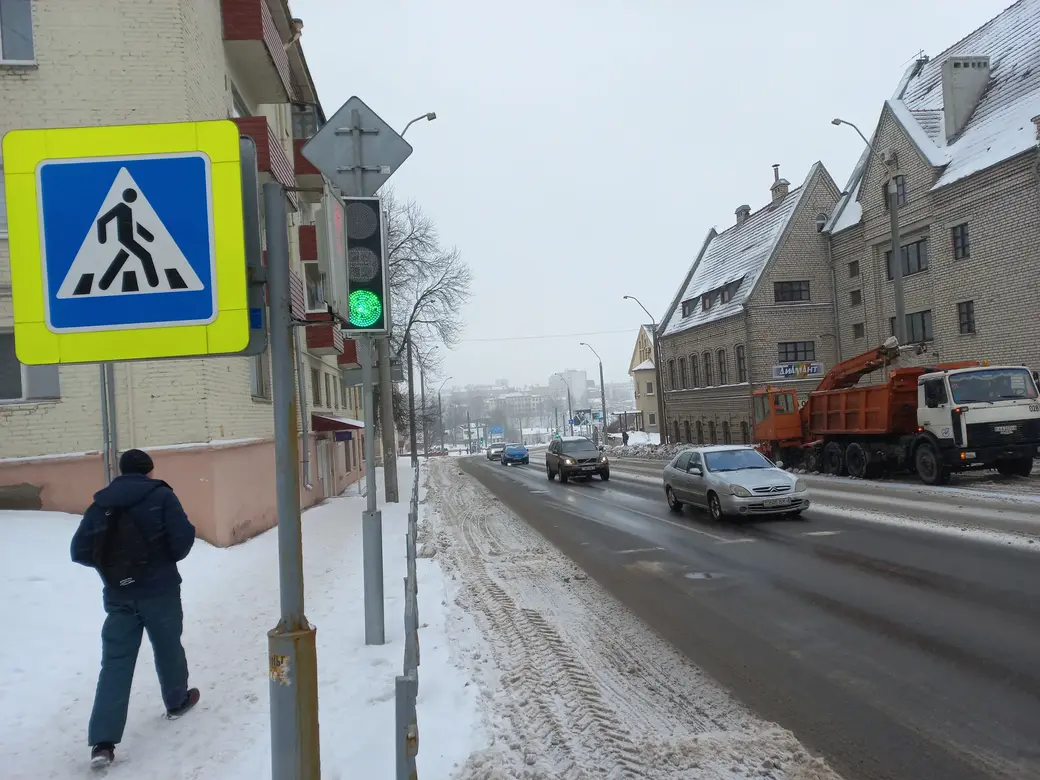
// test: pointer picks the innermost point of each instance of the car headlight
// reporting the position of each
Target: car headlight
(602, 458)
(568, 462)
(739, 491)
(800, 486)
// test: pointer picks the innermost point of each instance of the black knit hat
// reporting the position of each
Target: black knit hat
(135, 462)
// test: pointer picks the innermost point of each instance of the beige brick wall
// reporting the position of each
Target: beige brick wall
(1002, 209)
(113, 62)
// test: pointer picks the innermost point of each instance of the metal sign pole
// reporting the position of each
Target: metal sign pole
(372, 518)
(292, 655)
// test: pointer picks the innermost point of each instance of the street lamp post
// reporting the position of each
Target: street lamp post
(429, 117)
(662, 427)
(440, 410)
(602, 390)
(422, 392)
(896, 264)
(570, 411)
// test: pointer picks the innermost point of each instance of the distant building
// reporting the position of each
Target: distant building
(644, 379)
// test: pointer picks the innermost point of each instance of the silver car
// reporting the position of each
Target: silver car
(732, 481)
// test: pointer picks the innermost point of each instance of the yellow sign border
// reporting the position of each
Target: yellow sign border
(35, 343)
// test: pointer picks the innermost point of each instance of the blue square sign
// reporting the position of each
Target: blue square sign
(127, 242)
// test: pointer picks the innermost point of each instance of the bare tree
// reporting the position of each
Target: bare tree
(429, 283)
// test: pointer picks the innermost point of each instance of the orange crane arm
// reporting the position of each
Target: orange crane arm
(849, 372)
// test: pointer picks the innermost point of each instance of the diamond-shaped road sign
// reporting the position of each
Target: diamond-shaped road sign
(357, 150)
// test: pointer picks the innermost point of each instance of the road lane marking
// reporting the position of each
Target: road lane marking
(821, 533)
(639, 550)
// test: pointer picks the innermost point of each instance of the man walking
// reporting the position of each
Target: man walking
(134, 534)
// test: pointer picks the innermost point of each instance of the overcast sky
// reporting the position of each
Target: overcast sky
(583, 148)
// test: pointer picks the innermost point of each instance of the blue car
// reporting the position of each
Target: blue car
(515, 453)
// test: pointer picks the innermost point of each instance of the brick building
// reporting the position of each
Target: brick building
(756, 306)
(66, 63)
(961, 135)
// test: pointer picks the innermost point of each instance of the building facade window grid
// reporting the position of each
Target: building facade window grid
(914, 257)
(859, 330)
(695, 379)
(854, 269)
(671, 374)
(682, 373)
(796, 351)
(791, 292)
(723, 367)
(966, 316)
(706, 362)
(918, 327)
(741, 364)
(961, 241)
(16, 32)
(855, 297)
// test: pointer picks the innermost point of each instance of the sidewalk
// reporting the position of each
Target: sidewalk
(53, 612)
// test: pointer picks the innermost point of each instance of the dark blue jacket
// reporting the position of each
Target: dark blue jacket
(165, 527)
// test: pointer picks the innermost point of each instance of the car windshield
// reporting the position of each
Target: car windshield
(987, 386)
(514, 446)
(735, 460)
(571, 447)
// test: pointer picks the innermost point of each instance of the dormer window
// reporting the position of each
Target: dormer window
(706, 301)
(689, 307)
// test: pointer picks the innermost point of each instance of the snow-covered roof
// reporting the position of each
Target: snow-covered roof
(848, 212)
(646, 365)
(738, 254)
(1001, 125)
(648, 330)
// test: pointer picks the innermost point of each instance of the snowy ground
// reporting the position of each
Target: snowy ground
(230, 602)
(572, 685)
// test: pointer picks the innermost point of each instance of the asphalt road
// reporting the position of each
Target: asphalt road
(893, 651)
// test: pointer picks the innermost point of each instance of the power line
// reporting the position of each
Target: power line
(552, 336)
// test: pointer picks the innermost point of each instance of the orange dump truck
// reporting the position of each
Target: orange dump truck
(933, 420)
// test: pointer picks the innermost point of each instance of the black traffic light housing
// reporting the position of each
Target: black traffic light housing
(368, 292)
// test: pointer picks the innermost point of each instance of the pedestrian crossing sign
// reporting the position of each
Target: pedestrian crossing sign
(126, 243)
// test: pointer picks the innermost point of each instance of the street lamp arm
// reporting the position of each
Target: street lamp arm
(594, 352)
(428, 116)
(838, 122)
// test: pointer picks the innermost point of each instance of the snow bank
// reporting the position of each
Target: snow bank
(230, 602)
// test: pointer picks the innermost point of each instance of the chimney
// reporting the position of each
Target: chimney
(780, 186)
(742, 212)
(964, 80)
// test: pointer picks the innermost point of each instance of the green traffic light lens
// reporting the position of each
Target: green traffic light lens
(365, 308)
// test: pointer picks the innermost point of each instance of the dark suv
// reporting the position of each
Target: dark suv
(575, 456)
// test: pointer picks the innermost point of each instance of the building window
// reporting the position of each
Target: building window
(961, 242)
(651, 417)
(712, 437)
(675, 430)
(343, 394)
(706, 362)
(855, 297)
(328, 389)
(821, 222)
(649, 388)
(12, 372)
(671, 374)
(796, 351)
(900, 192)
(791, 292)
(687, 435)
(700, 432)
(966, 316)
(695, 378)
(741, 364)
(859, 330)
(706, 301)
(315, 387)
(689, 307)
(16, 32)
(745, 438)
(723, 367)
(682, 373)
(239, 107)
(304, 121)
(315, 281)
(918, 327)
(854, 269)
(725, 433)
(915, 258)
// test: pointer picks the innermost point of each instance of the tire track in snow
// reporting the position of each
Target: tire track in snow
(586, 689)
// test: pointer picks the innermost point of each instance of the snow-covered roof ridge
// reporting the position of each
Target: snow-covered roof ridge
(646, 365)
(848, 211)
(1000, 126)
(741, 252)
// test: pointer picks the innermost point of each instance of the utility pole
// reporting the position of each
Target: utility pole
(411, 408)
(897, 258)
(469, 433)
(389, 427)
(570, 409)
(440, 416)
(425, 427)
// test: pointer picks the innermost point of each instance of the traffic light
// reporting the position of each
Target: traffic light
(368, 292)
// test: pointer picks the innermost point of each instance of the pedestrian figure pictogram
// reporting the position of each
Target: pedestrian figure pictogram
(128, 250)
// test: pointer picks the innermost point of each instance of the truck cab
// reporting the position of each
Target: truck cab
(986, 416)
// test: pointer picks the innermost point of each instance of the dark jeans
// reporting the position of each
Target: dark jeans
(162, 617)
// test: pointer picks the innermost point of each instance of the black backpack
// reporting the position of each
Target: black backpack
(120, 552)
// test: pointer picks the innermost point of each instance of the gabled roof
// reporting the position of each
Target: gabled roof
(738, 253)
(649, 331)
(646, 365)
(1001, 126)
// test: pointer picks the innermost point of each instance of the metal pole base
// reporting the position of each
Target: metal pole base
(372, 549)
(293, 664)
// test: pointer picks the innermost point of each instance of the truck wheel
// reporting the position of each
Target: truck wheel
(1019, 467)
(834, 460)
(930, 469)
(856, 461)
(812, 460)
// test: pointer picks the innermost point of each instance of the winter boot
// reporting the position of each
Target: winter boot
(190, 701)
(102, 755)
